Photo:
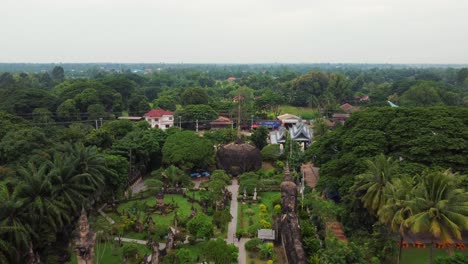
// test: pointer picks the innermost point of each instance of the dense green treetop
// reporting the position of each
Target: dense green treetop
(421, 137)
(187, 150)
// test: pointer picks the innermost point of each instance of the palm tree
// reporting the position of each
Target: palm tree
(375, 180)
(171, 176)
(15, 230)
(89, 163)
(439, 207)
(6, 249)
(40, 205)
(7, 231)
(69, 186)
(396, 210)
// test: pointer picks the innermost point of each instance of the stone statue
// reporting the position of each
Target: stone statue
(289, 222)
(84, 244)
(170, 244)
(255, 194)
(155, 252)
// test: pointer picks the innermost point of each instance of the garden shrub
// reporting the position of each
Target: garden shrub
(265, 250)
(252, 245)
(263, 211)
(277, 209)
(276, 201)
(265, 224)
(271, 152)
(249, 212)
(130, 250)
(252, 230)
(280, 164)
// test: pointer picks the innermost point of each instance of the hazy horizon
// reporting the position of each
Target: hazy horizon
(234, 32)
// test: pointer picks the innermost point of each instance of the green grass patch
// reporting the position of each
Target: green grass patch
(244, 222)
(182, 206)
(195, 250)
(304, 112)
(421, 255)
(195, 194)
(109, 253)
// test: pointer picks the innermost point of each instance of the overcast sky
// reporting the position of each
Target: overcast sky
(240, 31)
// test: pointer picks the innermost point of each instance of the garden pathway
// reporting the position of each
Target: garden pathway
(138, 186)
(138, 241)
(231, 236)
(311, 174)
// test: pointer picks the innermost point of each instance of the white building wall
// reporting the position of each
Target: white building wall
(163, 122)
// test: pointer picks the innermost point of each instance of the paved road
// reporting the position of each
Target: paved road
(231, 237)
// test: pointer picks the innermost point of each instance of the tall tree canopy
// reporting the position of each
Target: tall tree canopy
(187, 150)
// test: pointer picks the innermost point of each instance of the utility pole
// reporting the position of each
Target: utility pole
(239, 117)
(96, 124)
(180, 123)
(196, 125)
(251, 122)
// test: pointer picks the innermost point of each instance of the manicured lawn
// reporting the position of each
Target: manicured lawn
(421, 256)
(108, 253)
(194, 194)
(183, 208)
(182, 204)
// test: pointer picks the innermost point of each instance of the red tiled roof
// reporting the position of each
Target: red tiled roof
(222, 120)
(231, 78)
(346, 107)
(158, 113)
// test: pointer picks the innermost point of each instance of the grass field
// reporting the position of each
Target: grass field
(421, 256)
(304, 112)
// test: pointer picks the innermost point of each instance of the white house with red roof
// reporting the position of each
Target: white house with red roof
(160, 118)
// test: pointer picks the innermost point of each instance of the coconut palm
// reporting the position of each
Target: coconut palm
(439, 207)
(375, 180)
(396, 209)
